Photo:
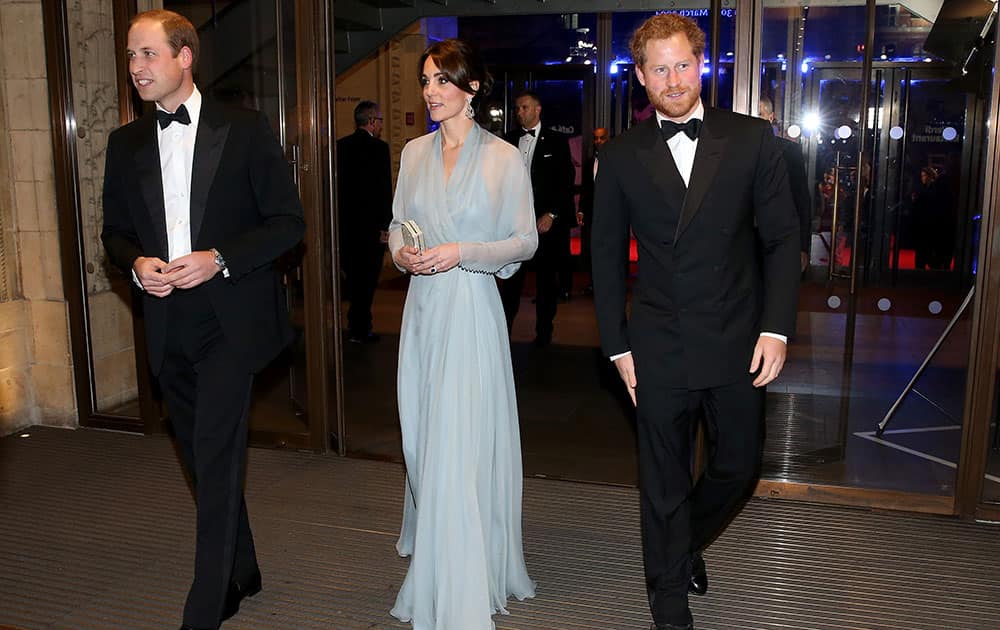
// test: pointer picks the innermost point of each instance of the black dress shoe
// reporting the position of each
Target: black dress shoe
(238, 591)
(699, 577)
(670, 626)
(193, 628)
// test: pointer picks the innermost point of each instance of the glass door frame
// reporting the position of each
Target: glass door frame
(70, 221)
(985, 344)
(890, 86)
(894, 81)
(984, 350)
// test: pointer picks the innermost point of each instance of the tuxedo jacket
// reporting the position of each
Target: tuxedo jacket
(552, 176)
(364, 188)
(798, 181)
(587, 188)
(718, 261)
(244, 203)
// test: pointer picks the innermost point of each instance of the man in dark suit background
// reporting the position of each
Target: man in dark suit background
(364, 189)
(199, 202)
(797, 179)
(546, 154)
(705, 193)
(585, 209)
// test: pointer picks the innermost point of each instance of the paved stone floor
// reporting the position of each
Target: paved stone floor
(97, 534)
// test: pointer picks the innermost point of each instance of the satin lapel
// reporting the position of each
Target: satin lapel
(150, 178)
(655, 156)
(208, 145)
(707, 158)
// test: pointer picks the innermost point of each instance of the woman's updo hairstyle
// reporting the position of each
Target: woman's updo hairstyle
(460, 63)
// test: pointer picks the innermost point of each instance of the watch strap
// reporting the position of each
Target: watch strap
(220, 262)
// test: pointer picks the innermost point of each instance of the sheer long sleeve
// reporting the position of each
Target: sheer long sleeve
(516, 230)
(399, 209)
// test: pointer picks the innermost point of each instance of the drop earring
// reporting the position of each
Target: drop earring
(469, 111)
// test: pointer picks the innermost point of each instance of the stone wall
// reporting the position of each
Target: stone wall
(36, 373)
(95, 104)
(17, 408)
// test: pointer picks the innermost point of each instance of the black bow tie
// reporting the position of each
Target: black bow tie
(669, 128)
(165, 118)
(530, 132)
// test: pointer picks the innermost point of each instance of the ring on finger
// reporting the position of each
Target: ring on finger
(434, 269)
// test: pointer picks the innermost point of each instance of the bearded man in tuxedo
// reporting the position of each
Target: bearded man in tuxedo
(705, 193)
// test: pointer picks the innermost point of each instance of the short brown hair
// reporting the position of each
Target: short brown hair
(533, 95)
(180, 31)
(460, 63)
(663, 26)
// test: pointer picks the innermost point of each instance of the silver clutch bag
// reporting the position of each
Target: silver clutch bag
(412, 235)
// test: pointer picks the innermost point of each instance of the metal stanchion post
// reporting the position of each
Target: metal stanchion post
(920, 370)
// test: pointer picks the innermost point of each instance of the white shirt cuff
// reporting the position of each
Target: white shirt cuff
(782, 338)
(135, 279)
(615, 357)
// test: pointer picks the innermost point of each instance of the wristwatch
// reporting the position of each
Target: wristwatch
(220, 262)
(553, 216)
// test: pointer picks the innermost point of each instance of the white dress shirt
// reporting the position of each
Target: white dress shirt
(683, 148)
(176, 162)
(176, 147)
(527, 144)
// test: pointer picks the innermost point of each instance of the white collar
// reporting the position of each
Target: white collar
(192, 104)
(537, 128)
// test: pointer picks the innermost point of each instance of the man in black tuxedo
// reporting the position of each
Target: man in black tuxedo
(198, 204)
(585, 209)
(797, 179)
(546, 154)
(364, 188)
(705, 192)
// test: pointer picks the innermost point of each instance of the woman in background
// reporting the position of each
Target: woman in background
(470, 194)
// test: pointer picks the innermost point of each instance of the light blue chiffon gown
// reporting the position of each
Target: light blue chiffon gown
(457, 407)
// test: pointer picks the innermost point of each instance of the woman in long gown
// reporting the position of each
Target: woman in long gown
(470, 194)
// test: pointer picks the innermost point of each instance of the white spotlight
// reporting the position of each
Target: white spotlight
(811, 121)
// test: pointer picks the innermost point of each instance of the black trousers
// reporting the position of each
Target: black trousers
(206, 387)
(678, 519)
(549, 260)
(585, 245)
(567, 268)
(362, 264)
